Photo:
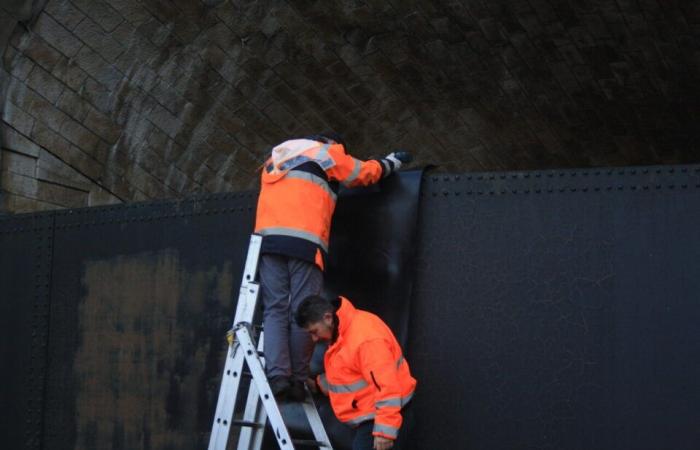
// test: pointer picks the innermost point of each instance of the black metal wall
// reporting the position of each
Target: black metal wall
(559, 310)
(25, 268)
(549, 310)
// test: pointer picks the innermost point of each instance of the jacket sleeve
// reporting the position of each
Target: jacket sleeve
(379, 369)
(352, 172)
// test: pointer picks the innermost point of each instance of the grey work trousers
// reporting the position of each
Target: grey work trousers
(285, 282)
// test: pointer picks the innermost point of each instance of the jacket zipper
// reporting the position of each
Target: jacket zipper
(375, 381)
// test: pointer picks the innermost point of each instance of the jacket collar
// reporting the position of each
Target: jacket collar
(346, 313)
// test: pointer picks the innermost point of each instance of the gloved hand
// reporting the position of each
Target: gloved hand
(229, 337)
(395, 160)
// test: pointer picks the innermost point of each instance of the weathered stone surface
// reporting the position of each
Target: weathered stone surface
(19, 204)
(67, 152)
(61, 194)
(39, 51)
(96, 38)
(60, 38)
(13, 140)
(50, 168)
(101, 12)
(45, 84)
(17, 118)
(18, 163)
(65, 13)
(194, 94)
(73, 105)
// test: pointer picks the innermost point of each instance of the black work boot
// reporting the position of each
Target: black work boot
(297, 391)
(279, 387)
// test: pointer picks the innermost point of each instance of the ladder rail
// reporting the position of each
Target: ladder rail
(230, 379)
(250, 353)
(251, 438)
(261, 405)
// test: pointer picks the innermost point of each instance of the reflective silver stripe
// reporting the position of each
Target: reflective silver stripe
(400, 360)
(324, 382)
(395, 401)
(359, 420)
(323, 152)
(282, 231)
(406, 399)
(386, 430)
(353, 175)
(315, 179)
(345, 388)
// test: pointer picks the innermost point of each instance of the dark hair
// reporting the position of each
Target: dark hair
(312, 309)
(328, 137)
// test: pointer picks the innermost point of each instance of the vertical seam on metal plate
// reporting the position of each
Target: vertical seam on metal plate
(51, 236)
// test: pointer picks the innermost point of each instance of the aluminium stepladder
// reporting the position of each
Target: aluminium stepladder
(261, 404)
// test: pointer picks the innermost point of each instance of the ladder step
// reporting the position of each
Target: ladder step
(309, 443)
(245, 423)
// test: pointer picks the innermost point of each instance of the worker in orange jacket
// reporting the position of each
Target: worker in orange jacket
(298, 191)
(366, 375)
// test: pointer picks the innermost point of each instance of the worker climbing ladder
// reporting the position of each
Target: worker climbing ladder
(261, 404)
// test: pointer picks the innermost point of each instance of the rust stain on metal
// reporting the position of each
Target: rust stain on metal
(144, 347)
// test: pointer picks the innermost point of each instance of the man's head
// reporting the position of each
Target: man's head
(317, 316)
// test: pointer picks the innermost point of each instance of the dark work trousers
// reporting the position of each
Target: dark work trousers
(363, 433)
(285, 282)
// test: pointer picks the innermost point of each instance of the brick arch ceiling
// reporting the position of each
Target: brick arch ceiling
(138, 99)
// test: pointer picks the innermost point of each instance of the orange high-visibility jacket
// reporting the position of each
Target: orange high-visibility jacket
(366, 374)
(298, 196)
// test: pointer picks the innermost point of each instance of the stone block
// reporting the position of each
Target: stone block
(95, 37)
(76, 133)
(45, 84)
(69, 73)
(73, 105)
(60, 38)
(67, 152)
(102, 125)
(100, 196)
(166, 121)
(18, 65)
(18, 163)
(65, 13)
(65, 196)
(167, 97)
(145, 182)
(101, 12)
(98, 68)
(176, 179)
(26, 186)
(17, 118)
(51, 168)
(132, 11)
(13, 140)
(19, 204)
(39, 51)
(281, 117)
(98, 95)
(37, 105)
